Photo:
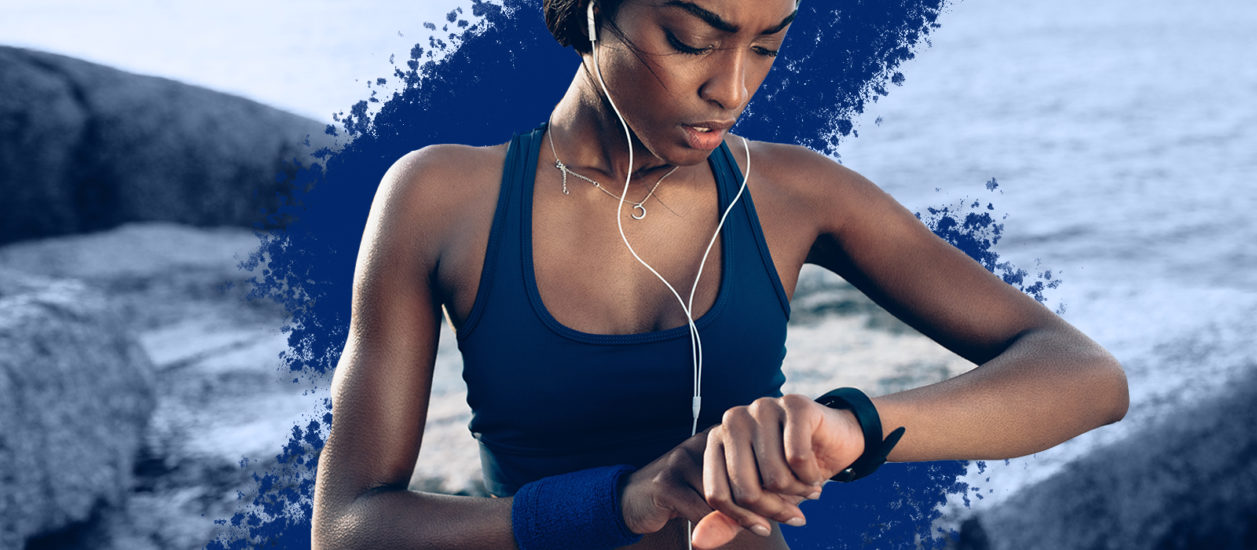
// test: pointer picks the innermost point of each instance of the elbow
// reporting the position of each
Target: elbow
(320, 539)
(1122, 401)
(336, 519)
(324, 531)
(1113, 394)
(366, 519)
(337, 529)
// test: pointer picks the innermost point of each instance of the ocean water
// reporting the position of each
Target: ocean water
(1121, 137)
(1120, 134)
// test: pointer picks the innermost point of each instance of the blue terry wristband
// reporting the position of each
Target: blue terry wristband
(579, 509)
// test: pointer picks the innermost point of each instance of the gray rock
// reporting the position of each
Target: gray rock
(85, 147)
(1188, 481)
(221, 392)
(155, 273)
(76, 394)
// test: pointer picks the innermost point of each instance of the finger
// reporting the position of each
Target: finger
(715, 530)
(750, 501)
(801, 423)
(716, 489)
(688, 501)
(775, 473)
(745, 479)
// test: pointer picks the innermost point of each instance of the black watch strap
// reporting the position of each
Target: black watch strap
(875, 448)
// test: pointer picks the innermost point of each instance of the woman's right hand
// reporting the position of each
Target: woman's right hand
(672, 487)
(669, 487)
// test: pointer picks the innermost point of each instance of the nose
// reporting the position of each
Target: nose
(726, 86)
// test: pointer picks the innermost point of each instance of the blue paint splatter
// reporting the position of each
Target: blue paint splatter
(970, 227)
(893, 508)
(838, 57)
(504, 77)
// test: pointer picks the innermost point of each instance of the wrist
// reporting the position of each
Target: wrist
(866, 417)
(579, 506)
(846, 428)
(627, 492)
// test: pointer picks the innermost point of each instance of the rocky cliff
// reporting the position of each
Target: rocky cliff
(85, 147)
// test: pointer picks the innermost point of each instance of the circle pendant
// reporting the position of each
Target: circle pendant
(639, 211)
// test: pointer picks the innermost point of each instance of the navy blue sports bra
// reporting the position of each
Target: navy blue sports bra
(547, 399)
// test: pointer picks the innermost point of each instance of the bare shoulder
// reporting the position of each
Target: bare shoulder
(440, 177)
(810, 185)
(446, 159)
(427, 195)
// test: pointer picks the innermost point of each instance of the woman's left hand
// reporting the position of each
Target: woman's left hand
(763, 456)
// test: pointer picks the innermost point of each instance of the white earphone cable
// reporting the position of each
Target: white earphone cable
(686, 307)
(696, 343)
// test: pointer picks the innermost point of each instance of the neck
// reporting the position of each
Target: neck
(590, 139)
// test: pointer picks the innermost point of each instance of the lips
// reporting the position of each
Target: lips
(710, 125)
(706, 135)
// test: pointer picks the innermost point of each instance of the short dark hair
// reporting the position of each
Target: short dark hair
(566, 20)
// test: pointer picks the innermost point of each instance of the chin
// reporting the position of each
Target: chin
(689, 156)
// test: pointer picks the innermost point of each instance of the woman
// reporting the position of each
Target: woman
(576, 357)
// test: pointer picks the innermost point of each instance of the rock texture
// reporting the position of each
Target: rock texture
(85, 147)
(76, 394)
(1188, 481)
(221, 398)
(156, 273)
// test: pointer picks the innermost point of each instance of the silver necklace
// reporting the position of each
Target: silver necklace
(639, 210)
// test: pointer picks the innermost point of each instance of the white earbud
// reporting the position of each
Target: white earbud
(593, 29)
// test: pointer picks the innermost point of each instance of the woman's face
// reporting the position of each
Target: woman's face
(696, 65)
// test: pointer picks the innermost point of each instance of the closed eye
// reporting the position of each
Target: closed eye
(766, 52)
(687, 49)
(682, 47)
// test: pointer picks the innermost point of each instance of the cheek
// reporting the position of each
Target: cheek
(655, 82)
(622, 69)
(668, 86)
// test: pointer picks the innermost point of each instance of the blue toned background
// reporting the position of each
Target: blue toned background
(1119, 134)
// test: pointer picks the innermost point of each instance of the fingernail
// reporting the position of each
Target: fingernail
(796, 522)
(814, 496)
(761, 530)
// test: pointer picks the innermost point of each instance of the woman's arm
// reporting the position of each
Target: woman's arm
(383, 382)
(1039, 381)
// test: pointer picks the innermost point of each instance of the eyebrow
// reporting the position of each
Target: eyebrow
(719, 23)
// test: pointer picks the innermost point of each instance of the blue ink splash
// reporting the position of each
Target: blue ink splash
(837, 57)
(971, 227)
(479, 84)
(893, 508)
